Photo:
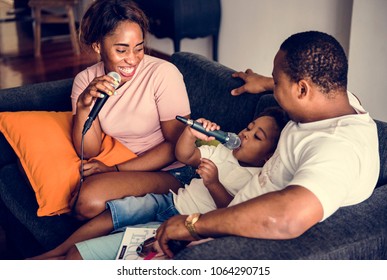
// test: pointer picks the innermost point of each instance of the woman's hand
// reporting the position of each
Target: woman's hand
(95, 166)
(254, 83)
(97, 89)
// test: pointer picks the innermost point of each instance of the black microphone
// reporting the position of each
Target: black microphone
(99, 103)
(228, 139)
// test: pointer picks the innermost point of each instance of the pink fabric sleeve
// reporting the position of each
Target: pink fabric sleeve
(171, 92)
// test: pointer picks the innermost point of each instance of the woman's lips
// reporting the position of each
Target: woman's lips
(127, 71)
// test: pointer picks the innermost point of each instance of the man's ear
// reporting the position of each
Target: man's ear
(96, 47)
(303, 89)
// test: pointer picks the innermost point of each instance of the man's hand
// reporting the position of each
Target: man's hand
(254, 83)
(172, 229)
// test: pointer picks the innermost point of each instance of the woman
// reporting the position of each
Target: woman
(140, 113)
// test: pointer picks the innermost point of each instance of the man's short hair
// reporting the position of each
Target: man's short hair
(318, 56)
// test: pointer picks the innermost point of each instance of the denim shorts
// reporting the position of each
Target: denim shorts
(105, 247)
(184, 174)
(133, 210)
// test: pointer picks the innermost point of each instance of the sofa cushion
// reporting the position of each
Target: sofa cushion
(27, 234)
(42, 141)
(7, 155)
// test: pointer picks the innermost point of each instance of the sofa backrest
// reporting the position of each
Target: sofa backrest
(46, 96)
(209, 85)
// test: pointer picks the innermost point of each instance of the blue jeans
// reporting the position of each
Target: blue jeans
(133, 210)
(184, 174)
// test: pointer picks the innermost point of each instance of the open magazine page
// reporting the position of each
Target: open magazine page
(138, 244)
(133, 238)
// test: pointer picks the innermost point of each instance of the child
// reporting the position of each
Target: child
(223, 173)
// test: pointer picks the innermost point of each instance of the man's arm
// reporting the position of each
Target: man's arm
(282, 214)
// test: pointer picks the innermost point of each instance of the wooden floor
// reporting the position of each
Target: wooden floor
(18, 66)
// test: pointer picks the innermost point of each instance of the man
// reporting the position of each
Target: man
(327, 156)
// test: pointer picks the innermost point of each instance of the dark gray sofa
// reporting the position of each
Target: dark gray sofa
(355, 232)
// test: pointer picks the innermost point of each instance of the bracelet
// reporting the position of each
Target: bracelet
(116, 166)
(190, 225)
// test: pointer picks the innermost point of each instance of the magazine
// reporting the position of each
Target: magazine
(132, 240)
(138, 243)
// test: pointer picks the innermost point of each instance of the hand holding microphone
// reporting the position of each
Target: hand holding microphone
(228, 139)
(99, 103)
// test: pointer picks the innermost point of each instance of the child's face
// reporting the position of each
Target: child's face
(259, 140)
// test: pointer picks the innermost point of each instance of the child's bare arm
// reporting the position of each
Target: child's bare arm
(186, 150)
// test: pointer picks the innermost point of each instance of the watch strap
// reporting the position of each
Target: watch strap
(190, 225)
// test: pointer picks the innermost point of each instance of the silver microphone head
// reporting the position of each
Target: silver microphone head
(233, 141)
(116, 77)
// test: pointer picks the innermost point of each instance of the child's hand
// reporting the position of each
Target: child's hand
(208, 172)
(208, 125)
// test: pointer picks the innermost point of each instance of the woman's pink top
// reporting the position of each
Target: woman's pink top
(156, 93)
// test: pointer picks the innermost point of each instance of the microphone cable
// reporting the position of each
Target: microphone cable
(88, 123)
(82, 175)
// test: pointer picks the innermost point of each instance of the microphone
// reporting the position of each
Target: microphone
(99, 103)
(228, 139)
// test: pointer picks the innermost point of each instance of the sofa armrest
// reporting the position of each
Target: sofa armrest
(209, 85)
(47, 96)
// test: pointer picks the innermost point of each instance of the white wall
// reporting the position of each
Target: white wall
(252, 31)
(368, 55)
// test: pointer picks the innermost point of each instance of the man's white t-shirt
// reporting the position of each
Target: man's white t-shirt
(336, 159)
(195, 197)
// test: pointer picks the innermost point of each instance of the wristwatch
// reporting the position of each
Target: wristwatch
(190, 225)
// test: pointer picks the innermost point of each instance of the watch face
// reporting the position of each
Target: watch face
(192, 219)
(189, 224)
(195, 219)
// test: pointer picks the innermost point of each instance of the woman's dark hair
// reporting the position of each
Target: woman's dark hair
(103, 16)
(317, 56)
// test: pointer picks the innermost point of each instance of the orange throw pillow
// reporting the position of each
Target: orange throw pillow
(42, 141)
